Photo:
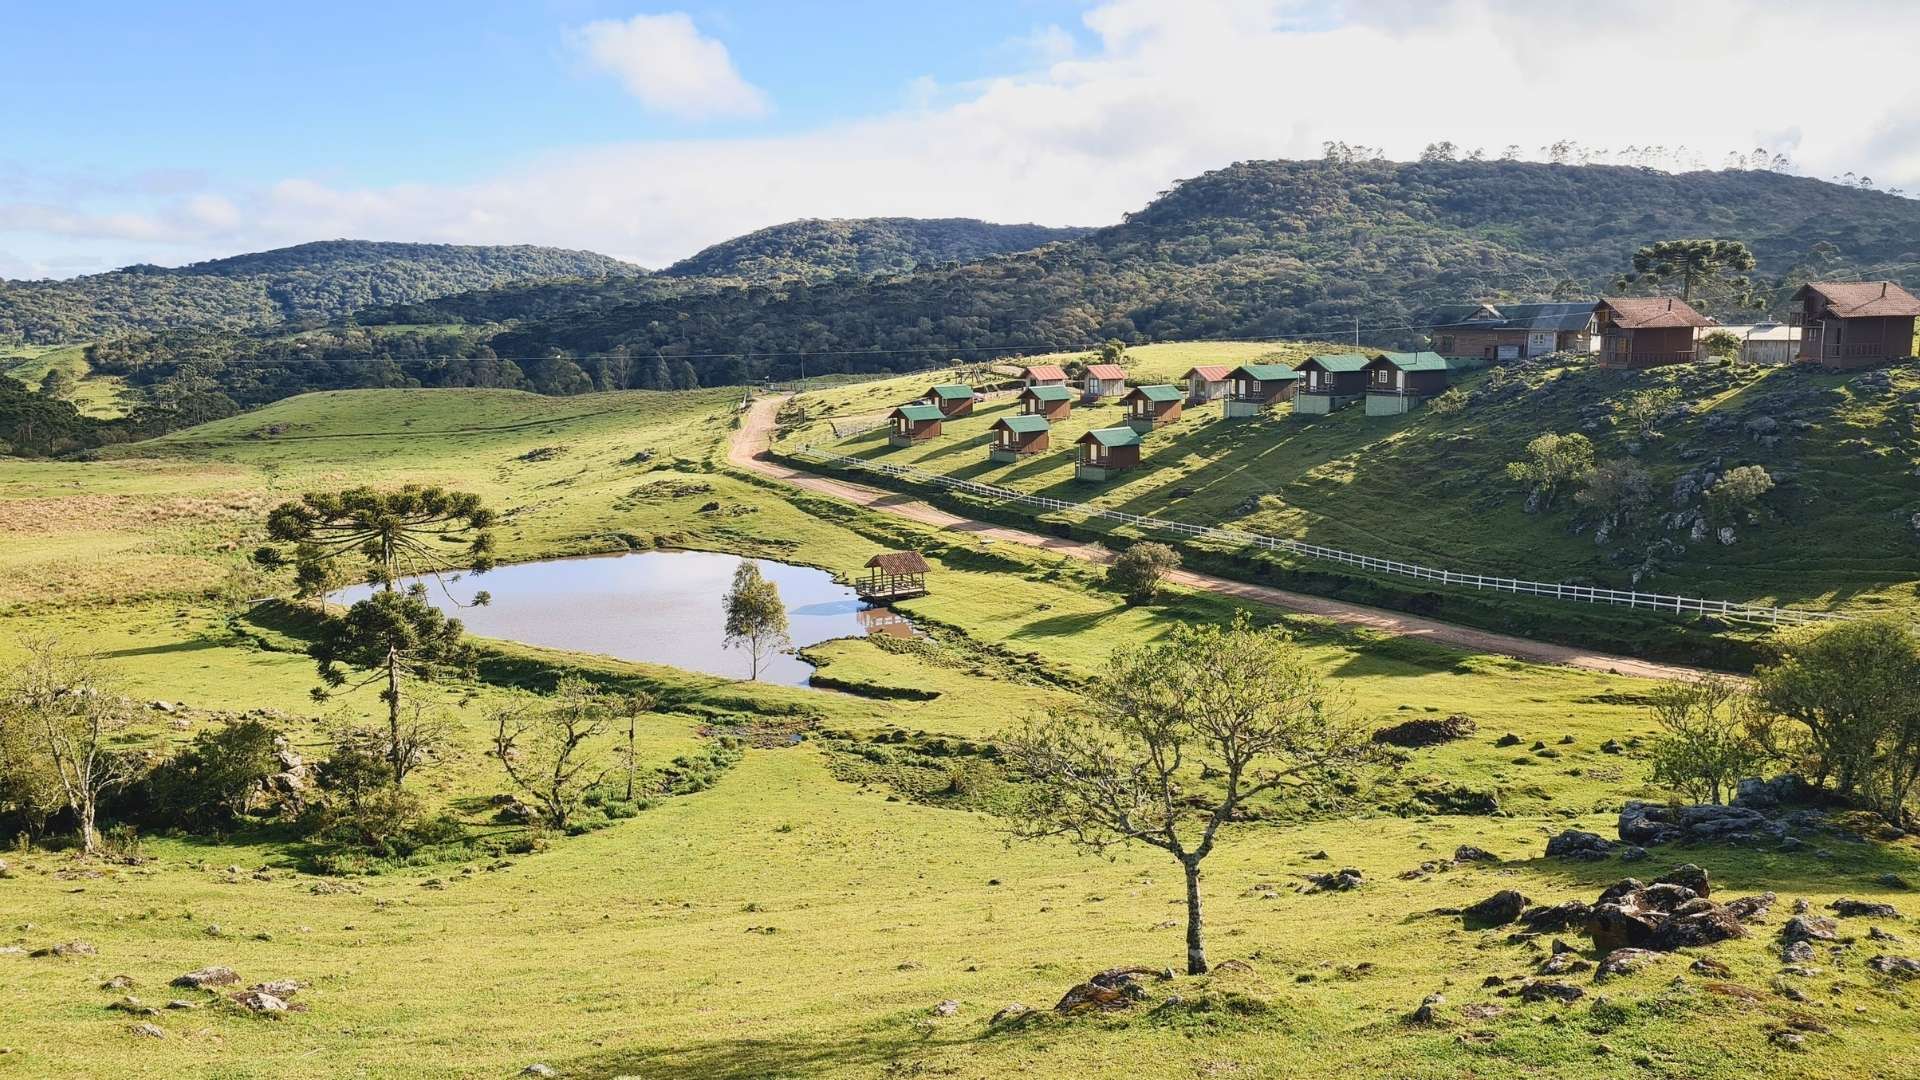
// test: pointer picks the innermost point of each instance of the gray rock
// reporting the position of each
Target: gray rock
(1900, 967)
(1574, 844)
(258, 1001)
(208, 977)
(1499, 909)
(1863, 909)
(1548, 990)
(1425, 1013)
(1624, 962)
(538, 1069)
(147, 1030)
(946, 1008)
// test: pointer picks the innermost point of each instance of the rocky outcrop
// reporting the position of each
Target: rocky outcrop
(1574, 844)
(1109, 991)
(1426, 731)
(1499, 909)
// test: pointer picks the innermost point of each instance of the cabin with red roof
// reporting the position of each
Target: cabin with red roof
(1105, 381)
(1044, 375)
(1208, 382)
(1646, 331)
(1854, 324)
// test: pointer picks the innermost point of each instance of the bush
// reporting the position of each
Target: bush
(1139, 571)
(1738, 490)
(213, 781)
(1452, 400)
(1707, 741)
(1553, 463)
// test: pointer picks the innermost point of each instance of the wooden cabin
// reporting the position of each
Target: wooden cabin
(1855, 324)
(1398, 381)
(913, 423)
(1646, 331)
(1052, 402)
(952, 399)
(1105, 381)
(1149, 407)
(1254, 388)
(1208, 382)
(893, 575)
(1489, 332)
(1761, 343)
(1044, 375)
(1017, 436)
(1330, 381)
(1106, 451)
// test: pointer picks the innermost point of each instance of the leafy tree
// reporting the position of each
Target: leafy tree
(72, 719)
(359, 802)
(1619, 491)
(1721, 343)
(657, 377)
(1716, 267)
(1448, 402)
(684, 377)
(212, 782)
(549, 752)
(1707, 741)
(58, 384)
(30, 793)
(756, 619)
(1738, 491)
(1553, 463)
(392, 638)
(1644, 409)
(1171, 745)
(1437, 152)
(1139, 571)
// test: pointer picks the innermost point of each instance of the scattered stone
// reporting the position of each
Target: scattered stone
(1467, 853)
(1425, 1013)
(1108, 991)
(1877, 934)
(1547, 990)
(118, 982)
(1707, 966)
(207, 978)
(1734, 990)
(1809, 928)
(1659, 823)
(1900, 967)
(1481, 1011)
(1009, 1013)
(1846, 908)
(1574, 844)
(1612, 746)
(1687, 876)
(1797, 952)
(1563, 916)
(335, 888)
(946, 1008)
(1751, 908)
(280, 988)
(1232, 967)
(1499, 909)
(1624, 962)
(1509, 739)
(258, 1001)
(134, 1006)
(1564, 963)
(1789, 1040)
(68, 949)
(1426, 731)
(148, 1030)
(178, 1004)
(538, 1069)
(1341, 880)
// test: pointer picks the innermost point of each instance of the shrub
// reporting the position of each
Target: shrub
(1449, 402)
(213, 781)
(1139, 571)
(1618, 491)
(1707, 742)
(1738, 490)
(1553, 463)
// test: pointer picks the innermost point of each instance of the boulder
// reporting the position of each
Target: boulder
(538, 1069)
(1751, 908)
(147, 1030)
(258, 1001)
(1339, 881)
(1548, 990)
(1564, 963)
(1009, 1013)
(118, 982)
(1900, 967)
(207, 978)
(1621, 926)
(946, 1008)
(68, 949)
(1809, 928)
(1863, 909)
(1425, 1014)
(1574, 844)
(1467, 853)
(1499, 909)
(1107, 991)
(1688, 876)
(1564, 916)
(1624, 962)
(1702, 922)
(1796, 952)
(280, 988)
(1426, 731)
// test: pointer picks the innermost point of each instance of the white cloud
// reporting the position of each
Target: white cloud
(670, 66)
(1167, 90)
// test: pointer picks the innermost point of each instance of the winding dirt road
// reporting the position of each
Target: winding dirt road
(755, 433)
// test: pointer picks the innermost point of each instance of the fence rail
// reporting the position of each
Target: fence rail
(1586, 594)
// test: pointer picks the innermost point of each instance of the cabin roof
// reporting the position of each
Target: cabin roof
(1106, 371)
(917, 412)
(1862, 299)
(1267, 372)
(1023, 425)
(898, 562)
(1046, 371)
(1414, 361)
(1337, 361)
(1158, 392)
(1047, 393)
(1651, 312)
(1112, 436)
(1210, 372)
(1562, 317)
(951, 391)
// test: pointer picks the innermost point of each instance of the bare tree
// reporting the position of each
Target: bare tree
(71, 715)
(547, 753)
(1171, 745)
(634, 705)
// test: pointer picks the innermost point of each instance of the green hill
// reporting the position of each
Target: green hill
(323, 280)
(816, 248)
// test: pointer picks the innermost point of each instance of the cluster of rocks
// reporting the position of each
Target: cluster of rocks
(1108, 991)
(262, 998)
(1426, 731)
(1345, 879)
(1464, 855)
(1761, 812)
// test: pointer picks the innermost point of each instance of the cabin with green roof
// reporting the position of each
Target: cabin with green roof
(1255, 388)
(1052, 402)
(1016, 436)
(1106, 451)
(1150, 406)
(913, 423)
(952, 399)
(1398, 381)
(1330, 381)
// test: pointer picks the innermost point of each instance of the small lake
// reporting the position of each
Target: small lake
(659, 607)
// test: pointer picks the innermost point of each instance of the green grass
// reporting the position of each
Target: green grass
(800, 918)
(94, 395)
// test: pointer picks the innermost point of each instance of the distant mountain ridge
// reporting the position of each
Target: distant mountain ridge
(322, 280)
(815, 248)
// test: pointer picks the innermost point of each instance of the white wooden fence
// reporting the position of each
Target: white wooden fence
(1586, 594)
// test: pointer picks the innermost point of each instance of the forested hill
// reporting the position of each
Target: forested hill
(817, 248)
(324, 280)
(1255, 249)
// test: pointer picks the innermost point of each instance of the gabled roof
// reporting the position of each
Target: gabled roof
(898, 562)
(1024, 424)
(1045, 371)
(1209, 372)
(1159, 392)
(951, 391)
(1106, 371)
(1862, 299)
(1112, 436)
(1651, 312)
(1414, 361)
(1267, 372)
(1336, 361)
(917, 412)
(1047, 393)
(1559, 316)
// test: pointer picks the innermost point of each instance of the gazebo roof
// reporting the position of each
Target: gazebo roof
(898, 562)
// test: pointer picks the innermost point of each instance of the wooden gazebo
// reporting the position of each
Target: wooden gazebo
(893, 575)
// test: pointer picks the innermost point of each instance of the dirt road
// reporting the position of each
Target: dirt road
(756, 431)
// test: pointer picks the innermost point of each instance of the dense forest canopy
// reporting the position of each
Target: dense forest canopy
(817, 248)
(324, 280)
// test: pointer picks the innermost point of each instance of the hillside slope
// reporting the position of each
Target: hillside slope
(816, 248)
(321, 280)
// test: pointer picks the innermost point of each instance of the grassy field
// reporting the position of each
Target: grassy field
(1430, 488)
(801, 917)
(94, 395)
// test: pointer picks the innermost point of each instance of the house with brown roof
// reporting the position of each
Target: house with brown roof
(1646, 331)
(1044, 375)
(1854, 324)
(1208, 382)
(1490, 332)
(1105, 380)
(1255, 388)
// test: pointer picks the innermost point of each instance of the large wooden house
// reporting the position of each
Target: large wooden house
(1489, 332)
(1208, 382)
(1017, 436)
(1149, 407)
(1106, 451)
(1646, 331)
(952, 399)
(1105, 381)
(1330, 381)
(1052, 402)
(1398, 381)
(1254, 388)
(1855, 324)
(913, 423)
(1044, 375)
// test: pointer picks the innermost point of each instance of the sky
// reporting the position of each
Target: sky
(169, 133)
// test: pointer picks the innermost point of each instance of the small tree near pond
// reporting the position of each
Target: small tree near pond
(1173, 742)
(549, 752)
(1139, 571)
(756, 619)
(1707, 739)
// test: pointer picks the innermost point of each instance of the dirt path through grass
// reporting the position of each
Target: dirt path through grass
(755, 433)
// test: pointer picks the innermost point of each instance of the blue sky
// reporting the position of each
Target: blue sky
(175, 132)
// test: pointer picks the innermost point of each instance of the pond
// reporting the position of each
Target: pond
(659, 607)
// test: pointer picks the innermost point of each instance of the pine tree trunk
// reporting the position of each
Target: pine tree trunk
(395, 755)
(1196, 948)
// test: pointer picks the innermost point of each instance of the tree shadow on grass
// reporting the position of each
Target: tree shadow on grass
(1058, 625)
(196, 644)
(828, 1055)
